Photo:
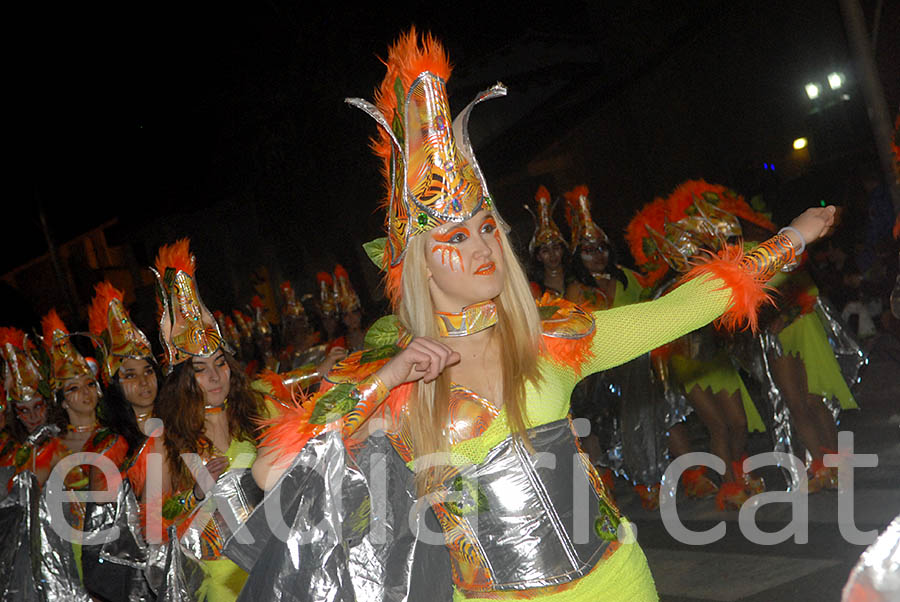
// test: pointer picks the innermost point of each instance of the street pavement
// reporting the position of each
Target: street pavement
(734, 568)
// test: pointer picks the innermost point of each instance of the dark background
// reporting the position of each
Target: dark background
(227, 123)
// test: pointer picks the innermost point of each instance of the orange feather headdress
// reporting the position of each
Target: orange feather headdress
(346, 297)
(65, 361)
(21, 373)
(115, 336)
(545, 229)
(578, 215)
(327, 301)
(186, 327)
(429, 166)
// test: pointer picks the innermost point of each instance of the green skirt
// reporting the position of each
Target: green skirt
(806, 338)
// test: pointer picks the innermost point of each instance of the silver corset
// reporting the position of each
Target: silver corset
(522, 520)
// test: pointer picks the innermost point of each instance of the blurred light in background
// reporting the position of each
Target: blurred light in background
(835, 80)
(800, 143)
(812, 90)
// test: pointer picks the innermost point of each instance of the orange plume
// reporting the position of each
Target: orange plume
(257, 302)
(325, 277)
(340, 272)
(542, 193)
(104, 292)
(176, 256)
(49, 324)
(13, 336)
(407, 58)
(573, 195)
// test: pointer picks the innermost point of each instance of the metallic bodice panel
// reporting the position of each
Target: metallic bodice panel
(522, 520)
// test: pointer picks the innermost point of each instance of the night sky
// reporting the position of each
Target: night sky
(227, 124)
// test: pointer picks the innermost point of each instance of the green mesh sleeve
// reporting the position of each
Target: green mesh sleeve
(624, 333)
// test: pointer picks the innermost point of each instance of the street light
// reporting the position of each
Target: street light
(835, 80)
(800, 143)
(812, 90)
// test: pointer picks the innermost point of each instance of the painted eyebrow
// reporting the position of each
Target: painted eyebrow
(447, 236)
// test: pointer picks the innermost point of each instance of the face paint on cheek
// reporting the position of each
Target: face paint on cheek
(450, 257)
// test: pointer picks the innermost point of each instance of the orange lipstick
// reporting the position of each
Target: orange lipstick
(486, 269)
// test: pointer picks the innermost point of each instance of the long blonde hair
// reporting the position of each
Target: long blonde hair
(519, 329)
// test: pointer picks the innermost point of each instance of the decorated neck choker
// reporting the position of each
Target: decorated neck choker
(143, 416)
(473, 318)
(84, 428)
(215, 409)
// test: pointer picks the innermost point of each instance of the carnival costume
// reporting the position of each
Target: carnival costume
(638, 414)
(546, 232)
(507, 523)
(37, 565)
(187, 330)
(24, 382)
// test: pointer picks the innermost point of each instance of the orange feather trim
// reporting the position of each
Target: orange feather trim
(407, 58)
(742, 209)
(325, 277)
(13, 336)
(104, 293)
(288, 433)
(542, 193)
(279, 390)
(652, 214)
(572, 353)
(257, 302)
(573, 195)
(176, 256)
(50, 323)
(747, 293)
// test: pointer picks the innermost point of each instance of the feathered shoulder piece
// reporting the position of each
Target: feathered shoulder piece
(567, 329)
(641, 245)
(332, 408)
(104, 294)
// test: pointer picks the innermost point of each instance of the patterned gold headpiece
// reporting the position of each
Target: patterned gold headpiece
(347, 299)
(65, 361)
(327, 301)
(429, 165)
(695, 220)
(261, 323)
(545, 229)
(187, 329)
(292, 307)
(578, 214)
(115, 335)
(21, 372)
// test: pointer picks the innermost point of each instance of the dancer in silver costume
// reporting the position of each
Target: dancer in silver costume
(475, 369)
